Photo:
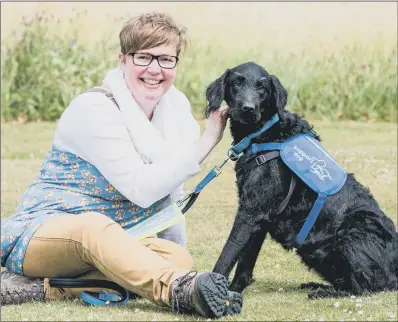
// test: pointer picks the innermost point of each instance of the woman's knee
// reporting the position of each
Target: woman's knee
(172, 252)
(182, 258)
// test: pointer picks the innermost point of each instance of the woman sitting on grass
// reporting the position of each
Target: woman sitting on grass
(120, 154)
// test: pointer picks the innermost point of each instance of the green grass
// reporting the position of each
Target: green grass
(369, 150)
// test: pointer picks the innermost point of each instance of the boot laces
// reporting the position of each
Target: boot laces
(181, 299)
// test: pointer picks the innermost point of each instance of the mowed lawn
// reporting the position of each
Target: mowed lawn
(368, 150)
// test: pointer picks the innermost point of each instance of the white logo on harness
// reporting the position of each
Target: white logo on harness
(317, 166)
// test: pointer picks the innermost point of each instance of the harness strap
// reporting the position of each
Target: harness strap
(309, 222)
(284, 203)
(238, 148)
(103, 91)
(264, 147)
(263, 158)
(259, 160)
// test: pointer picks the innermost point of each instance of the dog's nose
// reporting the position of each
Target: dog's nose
(248, 108)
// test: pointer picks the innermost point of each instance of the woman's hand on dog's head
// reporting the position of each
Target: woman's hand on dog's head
(216, 122)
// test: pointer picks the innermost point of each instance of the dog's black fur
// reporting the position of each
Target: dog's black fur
(353, 245)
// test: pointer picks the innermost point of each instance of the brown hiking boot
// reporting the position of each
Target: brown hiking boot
(18, 289)
(204, 293)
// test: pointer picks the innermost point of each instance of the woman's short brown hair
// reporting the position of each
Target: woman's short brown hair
(151, 30)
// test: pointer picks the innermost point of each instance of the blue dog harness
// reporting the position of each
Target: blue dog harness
(306, 157)
(302, 154)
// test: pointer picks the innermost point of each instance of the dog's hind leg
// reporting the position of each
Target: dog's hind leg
(327, 292)
(246, 262)
(320, 290)
(314, 286)
(237, 241)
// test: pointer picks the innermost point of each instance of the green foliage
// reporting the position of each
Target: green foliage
(42, 71)
(357, 83)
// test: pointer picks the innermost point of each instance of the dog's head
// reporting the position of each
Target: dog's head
(251, 93)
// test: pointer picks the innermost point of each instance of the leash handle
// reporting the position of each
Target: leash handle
(191, 201)
(215, 172)
(97, 299)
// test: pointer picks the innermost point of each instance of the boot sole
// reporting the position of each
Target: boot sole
(213, 296)
(235, 303)
(20, 297)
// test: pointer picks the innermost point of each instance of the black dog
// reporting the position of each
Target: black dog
(353, 245)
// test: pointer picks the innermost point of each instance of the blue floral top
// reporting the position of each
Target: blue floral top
(66, 185)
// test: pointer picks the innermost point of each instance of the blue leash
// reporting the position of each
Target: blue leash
(97, 299)
(233, 153)
(215, 172)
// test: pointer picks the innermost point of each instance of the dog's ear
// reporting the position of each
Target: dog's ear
(278, 95)
(215, 93)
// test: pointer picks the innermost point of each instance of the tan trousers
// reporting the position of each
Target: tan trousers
(92, 245)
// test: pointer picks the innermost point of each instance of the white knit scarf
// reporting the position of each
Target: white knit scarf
(172, 126)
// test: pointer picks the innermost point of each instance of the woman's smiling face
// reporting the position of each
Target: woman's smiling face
(152, 81)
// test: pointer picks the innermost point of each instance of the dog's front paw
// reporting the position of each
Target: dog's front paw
(238, 285)
(236, 288)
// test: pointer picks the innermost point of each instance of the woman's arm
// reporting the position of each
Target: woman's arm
(92, 128)
(215, 126)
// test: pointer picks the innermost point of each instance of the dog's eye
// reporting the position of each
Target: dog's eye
(261, 88)
(237, 83)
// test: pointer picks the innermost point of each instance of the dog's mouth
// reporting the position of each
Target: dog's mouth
(244, 117)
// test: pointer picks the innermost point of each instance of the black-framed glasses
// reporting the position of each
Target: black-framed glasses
(164, 61)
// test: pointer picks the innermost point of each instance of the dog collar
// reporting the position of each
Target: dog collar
(238, 148)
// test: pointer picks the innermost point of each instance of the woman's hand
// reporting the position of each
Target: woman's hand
(216, 123)
(213, 133)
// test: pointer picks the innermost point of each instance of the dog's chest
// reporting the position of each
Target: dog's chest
(260, 184)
